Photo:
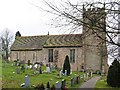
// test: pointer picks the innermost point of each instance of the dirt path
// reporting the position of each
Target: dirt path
(90, 83)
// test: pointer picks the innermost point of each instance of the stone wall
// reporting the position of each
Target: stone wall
(94, 45)
(42, 56)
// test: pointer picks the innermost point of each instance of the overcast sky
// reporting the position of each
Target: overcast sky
(21, 15)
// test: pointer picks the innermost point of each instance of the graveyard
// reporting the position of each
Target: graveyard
(15, 76)
(12, 76)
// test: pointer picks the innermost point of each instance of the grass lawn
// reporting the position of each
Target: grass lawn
(10, 79)
(102, 83)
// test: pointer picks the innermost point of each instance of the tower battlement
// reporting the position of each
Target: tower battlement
(94, 9)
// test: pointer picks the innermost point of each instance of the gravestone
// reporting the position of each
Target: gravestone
(18, 63)
(91, 73)
(58, 85)
(22, 67)
(28, 62)
(21, 63)
(40, 70)
(38, 66)
(18, 70)
(15, 63)
(32, 66)
(87, 75)
(48, 69)
(51, 68)
(78, 79)
(27, 82)
(63, 84)
(48, 86)
(65, 72)
(75, 80)
(71, 71)
(60, 73)
(72, 81)
(82, 77)
(35, 66)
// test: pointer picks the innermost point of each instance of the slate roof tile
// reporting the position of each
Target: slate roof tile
(44, 41)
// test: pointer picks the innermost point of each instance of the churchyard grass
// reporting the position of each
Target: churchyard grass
(10, 78)
(102, 83)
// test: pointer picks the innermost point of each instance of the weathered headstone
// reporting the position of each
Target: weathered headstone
(22, 62)
(60, 73)
(48, 86)
(40, 70)
(48, 69)
(28, 62)
(71, 71)
(35, 66)
(38, 66)
(27, 82)
(65, 72)
(72, 81)
(78, 79)
(87, 75)
(91, 73)
(58, 85)
(63, 84)
(51, 68)
(18, 64)
(32, 66)
(15, 62)
(22, 67)
(18, 70)
(75, 79)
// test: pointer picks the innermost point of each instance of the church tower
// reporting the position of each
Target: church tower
(94, 36)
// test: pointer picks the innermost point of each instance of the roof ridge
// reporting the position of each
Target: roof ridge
(49, 35)
(33, 36)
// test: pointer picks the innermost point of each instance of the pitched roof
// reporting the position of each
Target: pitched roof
(63, 40)
(44, 41)
(28, 42)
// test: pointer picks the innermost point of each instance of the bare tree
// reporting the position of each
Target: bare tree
(70, 16)
(6, 39)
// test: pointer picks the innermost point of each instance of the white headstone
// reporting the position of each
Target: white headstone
(48, 69)
(60, 73)
(91, 74)
(36, 65)
(65, 72)
(30, 66)
(71, 71)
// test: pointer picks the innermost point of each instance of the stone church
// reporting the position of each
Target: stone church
(85, 51)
